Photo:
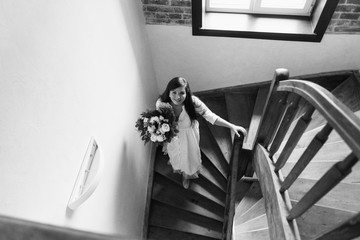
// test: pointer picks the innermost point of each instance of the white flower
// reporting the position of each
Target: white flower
(153, 138)
(154, 119)
(161, 117)
(151, 129)
(160, 138)
(165, 127)
(146, 120)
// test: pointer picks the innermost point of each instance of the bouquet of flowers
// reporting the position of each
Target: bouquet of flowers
(158, 126)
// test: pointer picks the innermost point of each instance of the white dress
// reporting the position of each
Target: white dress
(183, 150)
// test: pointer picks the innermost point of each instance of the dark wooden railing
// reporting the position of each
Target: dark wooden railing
(279, 108)
(236, 158)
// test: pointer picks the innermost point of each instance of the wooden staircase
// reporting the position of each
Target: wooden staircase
(201, 211)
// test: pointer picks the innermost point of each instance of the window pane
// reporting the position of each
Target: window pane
(240, 4)
(292, 4)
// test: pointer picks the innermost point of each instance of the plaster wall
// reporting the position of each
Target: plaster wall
(70, 70)
(215, 62)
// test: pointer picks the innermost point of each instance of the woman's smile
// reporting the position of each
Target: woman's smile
(178, 95)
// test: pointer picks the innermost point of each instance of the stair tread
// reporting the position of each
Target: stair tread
(241, 189)
(347, 92)
(200, 185)
(306, 138)
(258, 223)
(168, 192)
(344, 196)
(159, 233)
(163, 215)
(319, 219)
(240, 107)
(254, 211)
(217, 104)
(262, 234)
(332, 151)
(211, 149)
(251, 197)
(315, 170)
(210, 172)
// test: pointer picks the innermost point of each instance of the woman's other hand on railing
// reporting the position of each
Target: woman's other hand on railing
(238, 130)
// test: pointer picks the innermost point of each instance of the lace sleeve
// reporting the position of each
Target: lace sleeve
(204, 111)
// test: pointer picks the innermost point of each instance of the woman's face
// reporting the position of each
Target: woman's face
(178, 95)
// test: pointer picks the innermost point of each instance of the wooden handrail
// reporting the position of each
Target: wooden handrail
(277, 204)
(261, 106)
(231, 188)
(340, 117)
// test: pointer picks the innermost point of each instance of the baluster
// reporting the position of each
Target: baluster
(286, 119)
(294, 138)
(328, 181)
(274, 119)
(314, 146)
(268, 119)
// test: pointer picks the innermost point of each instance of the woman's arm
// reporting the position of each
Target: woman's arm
(211, 117)
(223, 123)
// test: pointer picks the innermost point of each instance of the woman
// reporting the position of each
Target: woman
(183, 150)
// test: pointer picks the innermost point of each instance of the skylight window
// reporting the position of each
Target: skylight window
(272, 7)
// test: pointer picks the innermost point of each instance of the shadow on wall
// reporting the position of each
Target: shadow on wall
(130, 190)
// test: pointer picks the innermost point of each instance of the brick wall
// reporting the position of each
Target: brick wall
(168, 12)
(346, 18)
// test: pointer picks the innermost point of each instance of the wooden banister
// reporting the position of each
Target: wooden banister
(327, 182)
(307, 156)
(273, 126)
(277, 204)
(294, 138)
(231, 188)
(286, 119)
(340, 117)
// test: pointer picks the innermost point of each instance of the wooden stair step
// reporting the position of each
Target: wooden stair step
(335, 151)
(159, 233)
(240, 107)
(316, 169)
(217, 104)
(348, 92)
(344, 196)
(169, 192)
(254, 211)
(211, 149)
(309, 135)
(262, 234)
(252, 196)
(200, 185)
(242, 187)
(254, 224)
(163, 215)
(210, 172)
(319, 219)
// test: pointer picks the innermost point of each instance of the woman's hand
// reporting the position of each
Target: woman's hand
(238, 129)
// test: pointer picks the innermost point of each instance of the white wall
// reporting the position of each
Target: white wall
(69, 70)
(215, 62)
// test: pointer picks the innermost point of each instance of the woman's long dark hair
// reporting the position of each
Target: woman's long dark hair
(188, 103)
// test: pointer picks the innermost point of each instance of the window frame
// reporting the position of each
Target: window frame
(255, 8)
(307, 28)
